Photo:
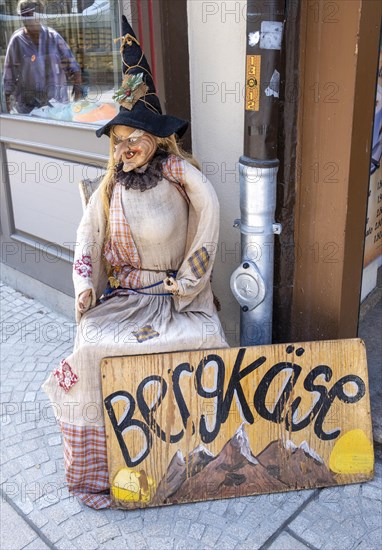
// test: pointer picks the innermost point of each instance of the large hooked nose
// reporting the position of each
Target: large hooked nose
(120, 149)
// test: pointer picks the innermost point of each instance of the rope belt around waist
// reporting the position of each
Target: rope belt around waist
(139, 290)
(110, 292)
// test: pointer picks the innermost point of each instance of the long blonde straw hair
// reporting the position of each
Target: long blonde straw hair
(168, 144)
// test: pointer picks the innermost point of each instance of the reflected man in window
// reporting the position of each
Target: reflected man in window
(38, 63)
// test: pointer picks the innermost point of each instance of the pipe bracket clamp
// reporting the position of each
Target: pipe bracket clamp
(247, 285)
(252, 230)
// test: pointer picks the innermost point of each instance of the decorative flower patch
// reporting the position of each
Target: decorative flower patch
(145, 333)
(132, 89)
(198, 262)
(65, 376)
(83, 266)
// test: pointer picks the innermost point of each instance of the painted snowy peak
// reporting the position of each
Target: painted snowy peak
(241, 441)
(179, 470)
(304, 447)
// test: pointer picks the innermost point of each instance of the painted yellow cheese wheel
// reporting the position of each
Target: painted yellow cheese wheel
(132, 486)
(352, 454)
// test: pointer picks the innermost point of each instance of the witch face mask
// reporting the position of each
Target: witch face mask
(134, 151)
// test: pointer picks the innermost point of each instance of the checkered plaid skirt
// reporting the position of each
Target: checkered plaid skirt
(85, 462)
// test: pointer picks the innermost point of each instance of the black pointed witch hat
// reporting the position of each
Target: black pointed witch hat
(140, 106)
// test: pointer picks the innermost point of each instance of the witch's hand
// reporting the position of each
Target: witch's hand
(171, 285)
(84, 300)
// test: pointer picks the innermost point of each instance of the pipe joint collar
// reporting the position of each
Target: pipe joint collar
(248, 286)
(257, 163)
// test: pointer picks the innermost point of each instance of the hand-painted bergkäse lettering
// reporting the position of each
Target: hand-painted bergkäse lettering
(282, 411)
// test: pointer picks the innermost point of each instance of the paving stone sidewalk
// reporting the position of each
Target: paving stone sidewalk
(37, 511)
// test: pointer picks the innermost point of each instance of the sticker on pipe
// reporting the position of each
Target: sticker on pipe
(271, 35)
(253, 38)
(274, 85)
(252, 83)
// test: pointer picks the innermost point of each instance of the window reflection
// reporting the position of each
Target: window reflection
(58, 59)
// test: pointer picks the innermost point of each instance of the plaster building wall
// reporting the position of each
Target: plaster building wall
(217, 63)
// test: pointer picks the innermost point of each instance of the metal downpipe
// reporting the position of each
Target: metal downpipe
(252, 281)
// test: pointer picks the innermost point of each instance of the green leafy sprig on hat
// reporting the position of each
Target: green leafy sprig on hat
(130, 83)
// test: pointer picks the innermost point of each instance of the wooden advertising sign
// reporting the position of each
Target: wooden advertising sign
(200, 425)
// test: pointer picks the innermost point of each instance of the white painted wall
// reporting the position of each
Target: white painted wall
(217, 40)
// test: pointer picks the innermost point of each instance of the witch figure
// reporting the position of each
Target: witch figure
(142, 268)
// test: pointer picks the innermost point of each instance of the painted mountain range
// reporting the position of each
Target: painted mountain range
(235, 471)
(297, 467)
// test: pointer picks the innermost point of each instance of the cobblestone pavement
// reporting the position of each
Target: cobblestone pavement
(38, 512)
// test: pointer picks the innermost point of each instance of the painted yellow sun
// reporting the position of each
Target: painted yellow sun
(352, 454)
(132, 486)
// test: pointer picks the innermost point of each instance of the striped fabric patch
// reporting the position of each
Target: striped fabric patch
(121, 251)
(145, 333)
(173, 171)
(198, 262)
(85, 461)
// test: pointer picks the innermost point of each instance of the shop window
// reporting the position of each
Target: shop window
(66, 73)
(89, 28)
